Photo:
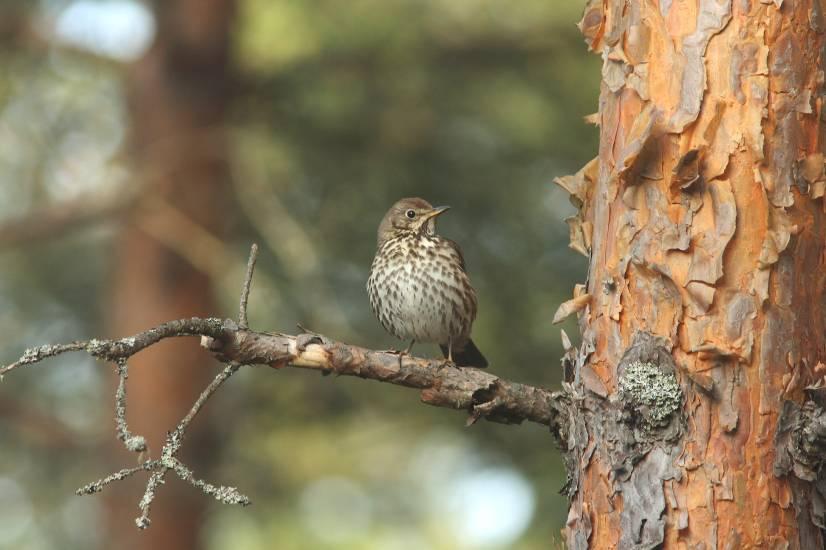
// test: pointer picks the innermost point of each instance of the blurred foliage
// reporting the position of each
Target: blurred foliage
(341, 109)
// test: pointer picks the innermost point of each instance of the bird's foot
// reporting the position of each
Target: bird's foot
(402, 353)
(392, 351)
(447, 362)
(308, 337)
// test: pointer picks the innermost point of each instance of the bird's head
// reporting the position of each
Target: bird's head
(411, 215)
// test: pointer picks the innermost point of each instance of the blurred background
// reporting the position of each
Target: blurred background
(145, 145)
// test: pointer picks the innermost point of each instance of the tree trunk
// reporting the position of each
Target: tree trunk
(703, 317)
(178, 98)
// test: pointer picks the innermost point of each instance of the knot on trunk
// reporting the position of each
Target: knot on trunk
(801, 440)
(649, 393)
(646, 410)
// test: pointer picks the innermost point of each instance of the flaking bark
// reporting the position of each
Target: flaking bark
(703, 219)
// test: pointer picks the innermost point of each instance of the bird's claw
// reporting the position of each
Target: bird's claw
(304, 340)
(446, 363)
(400, 352)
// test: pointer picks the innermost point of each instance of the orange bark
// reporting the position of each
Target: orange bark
(703, 218)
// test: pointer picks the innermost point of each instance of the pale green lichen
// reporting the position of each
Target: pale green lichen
(97, 348)
(136, 444)
(651, 393)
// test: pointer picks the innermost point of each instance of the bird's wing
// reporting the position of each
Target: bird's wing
(457, 251)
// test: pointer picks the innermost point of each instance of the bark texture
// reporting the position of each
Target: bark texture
(179, 95)
(703, 218)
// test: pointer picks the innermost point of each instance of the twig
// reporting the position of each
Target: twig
(222, 377)
(245, 290)
(115, 350)
(300, 260)
(97, 486)
(35, 355)
(156, 479)
(134, 443)
(227, 495)
(118, 351)
(169, 459)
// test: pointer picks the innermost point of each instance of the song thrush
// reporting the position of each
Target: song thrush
(418, 286)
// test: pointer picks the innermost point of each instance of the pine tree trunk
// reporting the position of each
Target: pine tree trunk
(704, 313)
(179, 94)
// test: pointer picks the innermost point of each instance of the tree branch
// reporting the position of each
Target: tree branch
(481, 394)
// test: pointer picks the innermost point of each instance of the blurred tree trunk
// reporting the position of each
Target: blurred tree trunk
(179, 94)
(704, 313)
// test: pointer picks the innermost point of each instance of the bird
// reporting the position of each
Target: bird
(418, 286)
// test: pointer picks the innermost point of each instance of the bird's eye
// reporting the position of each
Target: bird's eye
(410, 214)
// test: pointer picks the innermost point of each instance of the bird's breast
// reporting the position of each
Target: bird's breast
(419, 290)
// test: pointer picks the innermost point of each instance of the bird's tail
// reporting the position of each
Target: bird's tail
(468, 356)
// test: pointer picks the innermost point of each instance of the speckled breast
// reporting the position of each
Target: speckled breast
(419, 290)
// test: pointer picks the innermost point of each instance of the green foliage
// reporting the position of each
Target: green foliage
(341, 109)
(473, 104)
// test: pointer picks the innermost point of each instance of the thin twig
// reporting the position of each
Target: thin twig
(227, 495)
(245, 289)
(219, 379)
(169, 460)
(114, 350)
(35, 355)
(174, 439)
(97, 486)
(134, 443)
(301, 260)
(156, 479)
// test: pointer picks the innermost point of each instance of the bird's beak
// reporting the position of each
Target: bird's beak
(437, 211)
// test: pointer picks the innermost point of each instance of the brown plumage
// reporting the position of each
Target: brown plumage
(418, 286)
